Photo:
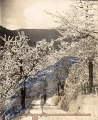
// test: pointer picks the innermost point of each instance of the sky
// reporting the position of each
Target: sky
(28, 14)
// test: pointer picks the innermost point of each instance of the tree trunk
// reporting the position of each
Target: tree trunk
(23, 95)
(90, 75)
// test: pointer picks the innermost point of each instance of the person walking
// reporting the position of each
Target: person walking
(43, 100)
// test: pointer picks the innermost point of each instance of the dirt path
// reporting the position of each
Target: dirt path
(90, 106)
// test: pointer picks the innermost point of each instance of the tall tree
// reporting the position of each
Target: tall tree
(78, 24)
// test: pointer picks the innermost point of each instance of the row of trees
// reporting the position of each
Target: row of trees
(15, 50)
(77, 25)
